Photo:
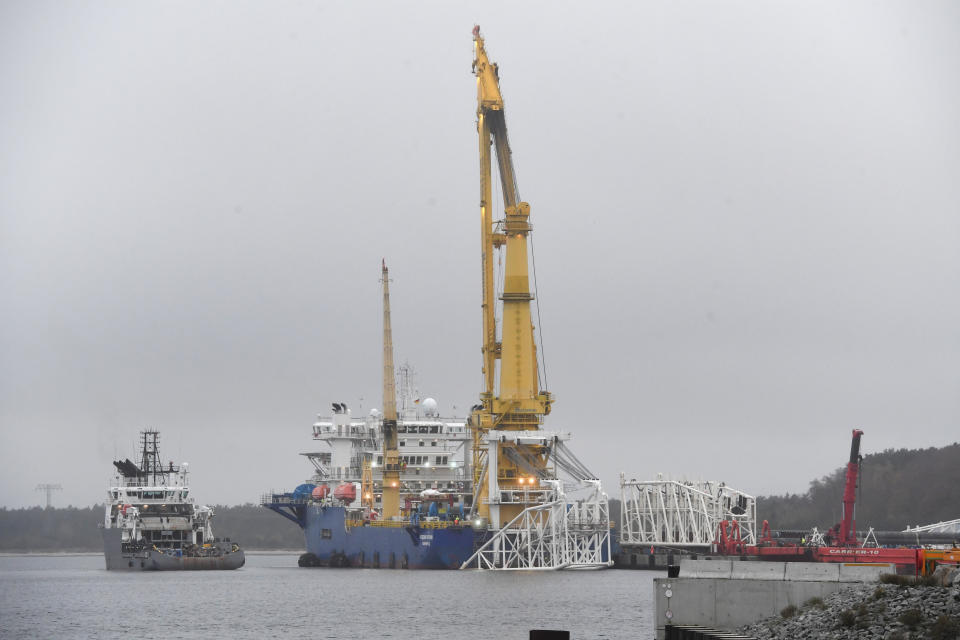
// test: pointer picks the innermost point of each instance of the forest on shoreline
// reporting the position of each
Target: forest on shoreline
(75, 529)
(897, 488)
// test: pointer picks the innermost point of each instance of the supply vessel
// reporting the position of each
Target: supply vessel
(152, 523)
(408, 489)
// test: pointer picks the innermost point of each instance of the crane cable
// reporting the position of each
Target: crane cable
(536, 299)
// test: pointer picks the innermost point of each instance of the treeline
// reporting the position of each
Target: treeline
(897, 488)
(75, 529)
(257, 527)
(37, 529)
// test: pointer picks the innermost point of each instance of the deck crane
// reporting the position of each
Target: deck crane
(391, 456)
(518, 405)
(533, 519)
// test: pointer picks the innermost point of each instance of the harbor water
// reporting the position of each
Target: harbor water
(271, 597)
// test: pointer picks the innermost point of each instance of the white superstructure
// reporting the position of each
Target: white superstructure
(151, 503)
(434, 450)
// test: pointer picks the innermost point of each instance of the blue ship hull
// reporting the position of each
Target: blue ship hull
(332, 543)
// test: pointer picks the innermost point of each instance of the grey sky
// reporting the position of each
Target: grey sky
(747, 220)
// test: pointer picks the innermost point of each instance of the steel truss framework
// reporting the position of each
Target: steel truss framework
(682, 514)
(948, 526)
(559, 534)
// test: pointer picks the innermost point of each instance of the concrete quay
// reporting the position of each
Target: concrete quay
(727, 594)
(659, 559)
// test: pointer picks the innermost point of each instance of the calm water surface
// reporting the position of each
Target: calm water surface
(75, 597)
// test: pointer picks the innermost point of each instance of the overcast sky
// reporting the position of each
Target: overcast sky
(747, 229)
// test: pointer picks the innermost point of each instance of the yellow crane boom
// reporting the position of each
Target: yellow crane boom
(516, 403)
(391, 456)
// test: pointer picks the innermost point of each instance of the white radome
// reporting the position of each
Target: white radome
(430, 407)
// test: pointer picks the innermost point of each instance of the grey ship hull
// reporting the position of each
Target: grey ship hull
(118, 559)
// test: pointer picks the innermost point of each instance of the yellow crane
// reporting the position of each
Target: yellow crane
(512, 399)
(391, 456)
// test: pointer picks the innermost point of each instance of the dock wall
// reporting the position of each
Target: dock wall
(725, 594)
(659, 560)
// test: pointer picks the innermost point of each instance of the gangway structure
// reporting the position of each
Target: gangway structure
(682, 514)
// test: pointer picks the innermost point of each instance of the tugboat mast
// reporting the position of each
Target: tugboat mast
(150, 465)
(391, 456)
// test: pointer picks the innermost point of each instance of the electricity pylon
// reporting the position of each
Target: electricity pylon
(49, 488)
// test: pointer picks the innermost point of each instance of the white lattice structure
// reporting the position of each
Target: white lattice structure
(950, 526)
(682, 514)
(560, 534)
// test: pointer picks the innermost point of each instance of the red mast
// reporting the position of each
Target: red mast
(848, 525)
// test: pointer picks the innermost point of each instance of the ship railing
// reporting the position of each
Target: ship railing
(436, 524)
(388, 523)
(281, 498)
(165, 524)
(525, 496)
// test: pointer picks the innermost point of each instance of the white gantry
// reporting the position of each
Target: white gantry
(682, 514)
(560, 534)
(949, 526)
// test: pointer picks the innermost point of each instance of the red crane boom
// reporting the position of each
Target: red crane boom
(848, 525)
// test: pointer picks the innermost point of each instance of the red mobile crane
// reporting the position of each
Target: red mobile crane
(848, 525)
(840, 542)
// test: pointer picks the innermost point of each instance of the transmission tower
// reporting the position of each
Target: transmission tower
(49, 488)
